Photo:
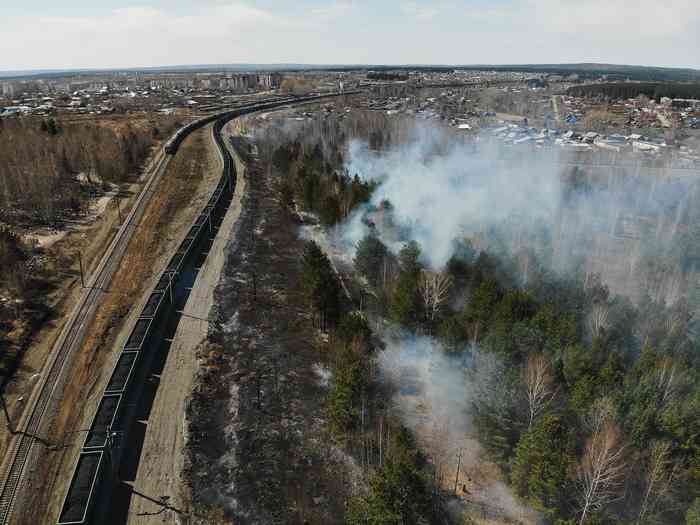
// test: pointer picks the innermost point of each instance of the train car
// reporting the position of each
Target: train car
(122, 373)
(80, 499)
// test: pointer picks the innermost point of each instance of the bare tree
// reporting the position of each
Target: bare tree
(434, 289)
(602, 466)
(539, 384)
(598, 319)
(669, 380)
(603, 410)
(659, 474)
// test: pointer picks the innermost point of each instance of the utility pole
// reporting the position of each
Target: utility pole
(119, 208)
(112, 438)
(82, 277)
(170, 288)
(7, 413)
(459, 463)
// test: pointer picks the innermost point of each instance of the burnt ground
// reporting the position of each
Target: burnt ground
(258, 451)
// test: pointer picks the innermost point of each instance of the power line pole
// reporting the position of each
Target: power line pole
(7, 413)
(112, 444)
(255, 286)
(82, 277)
(119, 208)
(459, 463)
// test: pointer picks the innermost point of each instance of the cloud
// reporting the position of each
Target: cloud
(334, 10)
(351, 32)
(617, 19)
(420, 12)
(138, 36)
(488, 13)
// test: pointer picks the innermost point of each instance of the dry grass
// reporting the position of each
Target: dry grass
(258, 383)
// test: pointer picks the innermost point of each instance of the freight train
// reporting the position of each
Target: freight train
(89, 496)
(174, 142)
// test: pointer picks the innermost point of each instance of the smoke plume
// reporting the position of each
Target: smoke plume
(598, 215)
(433, 392)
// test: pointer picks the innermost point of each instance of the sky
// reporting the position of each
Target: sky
(45, 34)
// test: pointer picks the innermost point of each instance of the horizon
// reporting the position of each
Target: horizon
(252, 66)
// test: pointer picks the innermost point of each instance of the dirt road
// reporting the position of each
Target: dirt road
(162, 459)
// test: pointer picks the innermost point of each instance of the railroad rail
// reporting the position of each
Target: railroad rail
(117, 407)
(65, 346)
(53, 377)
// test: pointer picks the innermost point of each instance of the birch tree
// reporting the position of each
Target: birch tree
(669, 380)
(434, 288)
(539, 385)
(601, 470)
(598, 319)
(659, 474)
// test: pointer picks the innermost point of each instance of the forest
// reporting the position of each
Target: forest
(398, 487)
(587, 400)
(592, 412)
(595, 71)
(41, 161)
(51, 172)
(626, 90)
(382, 75)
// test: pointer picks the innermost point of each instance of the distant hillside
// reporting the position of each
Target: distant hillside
(583, 70)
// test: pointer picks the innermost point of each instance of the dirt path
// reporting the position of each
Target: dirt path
(179, 196)
(162, 458)
(508, 117)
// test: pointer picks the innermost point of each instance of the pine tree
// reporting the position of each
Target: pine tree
(406, 305)
(321, 284)
(692, 516)
(371, 258)
(542, 460)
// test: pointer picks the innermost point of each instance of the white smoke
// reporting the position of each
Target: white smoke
(433, 394)
(442, 188)
(430, 383)
(618, 219)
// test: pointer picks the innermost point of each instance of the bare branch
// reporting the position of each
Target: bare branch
(660, 472)
(434, 289)
(669, 380)
(599, 319)
(602, 466)
(539, 387)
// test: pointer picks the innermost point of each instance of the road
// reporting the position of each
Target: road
(53, 375)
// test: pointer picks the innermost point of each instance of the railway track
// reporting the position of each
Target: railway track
(69, 341)
(47, 395)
